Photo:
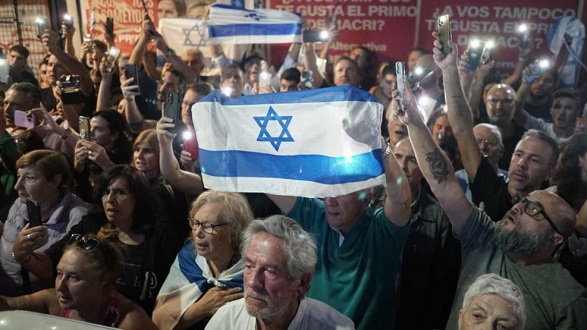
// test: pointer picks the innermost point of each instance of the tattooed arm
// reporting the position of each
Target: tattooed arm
(459, 112)
(435, 166)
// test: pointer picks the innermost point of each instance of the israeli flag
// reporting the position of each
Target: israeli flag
(232, 25)
(315, 143)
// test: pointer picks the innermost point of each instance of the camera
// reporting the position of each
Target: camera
(70, 93)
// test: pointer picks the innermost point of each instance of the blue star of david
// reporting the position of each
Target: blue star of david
(264, 135)
(188, 41)
(254, 15)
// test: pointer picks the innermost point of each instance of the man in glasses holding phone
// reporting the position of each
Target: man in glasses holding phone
(520, 247)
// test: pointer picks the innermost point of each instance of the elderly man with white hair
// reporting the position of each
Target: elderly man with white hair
(493, 302)
(280, 258)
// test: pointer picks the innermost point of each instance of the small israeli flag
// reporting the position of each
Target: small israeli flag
(232, 25)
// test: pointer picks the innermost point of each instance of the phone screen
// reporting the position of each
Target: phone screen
(84, 127)
(400, 73)
(171, 109)
(34, 213)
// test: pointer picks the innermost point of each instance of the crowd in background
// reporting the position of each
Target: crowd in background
(171, 253)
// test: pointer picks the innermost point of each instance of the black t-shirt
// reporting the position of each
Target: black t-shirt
(492, 190)
(540, 111)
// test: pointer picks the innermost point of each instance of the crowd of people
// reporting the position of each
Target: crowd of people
(482, 221)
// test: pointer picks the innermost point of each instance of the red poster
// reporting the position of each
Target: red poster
(127, 14)
(392, 27)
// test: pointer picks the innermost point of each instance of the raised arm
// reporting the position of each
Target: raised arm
(434, 164)
(71, 63)
(187, 182)
(399, 196)
(459, 113)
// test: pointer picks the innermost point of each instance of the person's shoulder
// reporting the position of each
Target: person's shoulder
(319, 315)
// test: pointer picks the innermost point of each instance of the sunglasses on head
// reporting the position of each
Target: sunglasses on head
(87, 244)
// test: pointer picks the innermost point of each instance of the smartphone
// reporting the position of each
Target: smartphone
(87, 38)
(111, 57)
(419, 73)
(190, 144)
(34, 213)
(24, 119)
(110, 25)
(264, 79)
(42, 25)
(171, 109)
(315, 36)
(487, 55)
(4, 69)
(307, 79)
(400, 73)
(130, 71)
(524, 35)
(539, 67)
(84, 127)
(68, 20)
(474, 52)
(444, 33)
(332, 22)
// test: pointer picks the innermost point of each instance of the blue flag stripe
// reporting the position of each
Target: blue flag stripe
(345, 93)
(235, 30)
(321, 169)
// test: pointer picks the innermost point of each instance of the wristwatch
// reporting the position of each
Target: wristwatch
(21, 261)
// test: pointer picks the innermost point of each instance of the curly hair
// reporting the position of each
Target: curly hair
(567, 178)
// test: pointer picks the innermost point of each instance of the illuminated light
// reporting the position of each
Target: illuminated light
(265, 75)
(398, 181)
(425, 100)
(362, 195)
(324, 35)
(523, 28)
(489, 44)
(544, 64)
(226, 91)
(418, 70)
(67, 17)
(39, 20)
(187, 135)
(475, 43)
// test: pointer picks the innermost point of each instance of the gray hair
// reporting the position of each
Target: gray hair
(495, 284)
(494, 130)
(301, 256)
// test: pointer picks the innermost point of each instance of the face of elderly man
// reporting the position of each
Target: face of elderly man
(270, 291)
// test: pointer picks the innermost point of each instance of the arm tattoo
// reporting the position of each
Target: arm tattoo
(438, 165)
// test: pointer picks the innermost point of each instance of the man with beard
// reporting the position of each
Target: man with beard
(563, 114)
(537, 95)
(520, 247)
(531, 163)
(279, 259)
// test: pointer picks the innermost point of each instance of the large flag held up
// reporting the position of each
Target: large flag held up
(232, 25)
(314, 143)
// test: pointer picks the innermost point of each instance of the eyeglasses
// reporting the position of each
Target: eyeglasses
(87, 244)
(207, 228)
(533, 208)
(503, 101)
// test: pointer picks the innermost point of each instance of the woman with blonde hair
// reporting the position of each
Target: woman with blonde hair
(208, 270)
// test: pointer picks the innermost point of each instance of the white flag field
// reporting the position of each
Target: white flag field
(314, 143)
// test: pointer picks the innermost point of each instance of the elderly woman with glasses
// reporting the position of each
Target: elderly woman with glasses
(85, 288)
(208, 270)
